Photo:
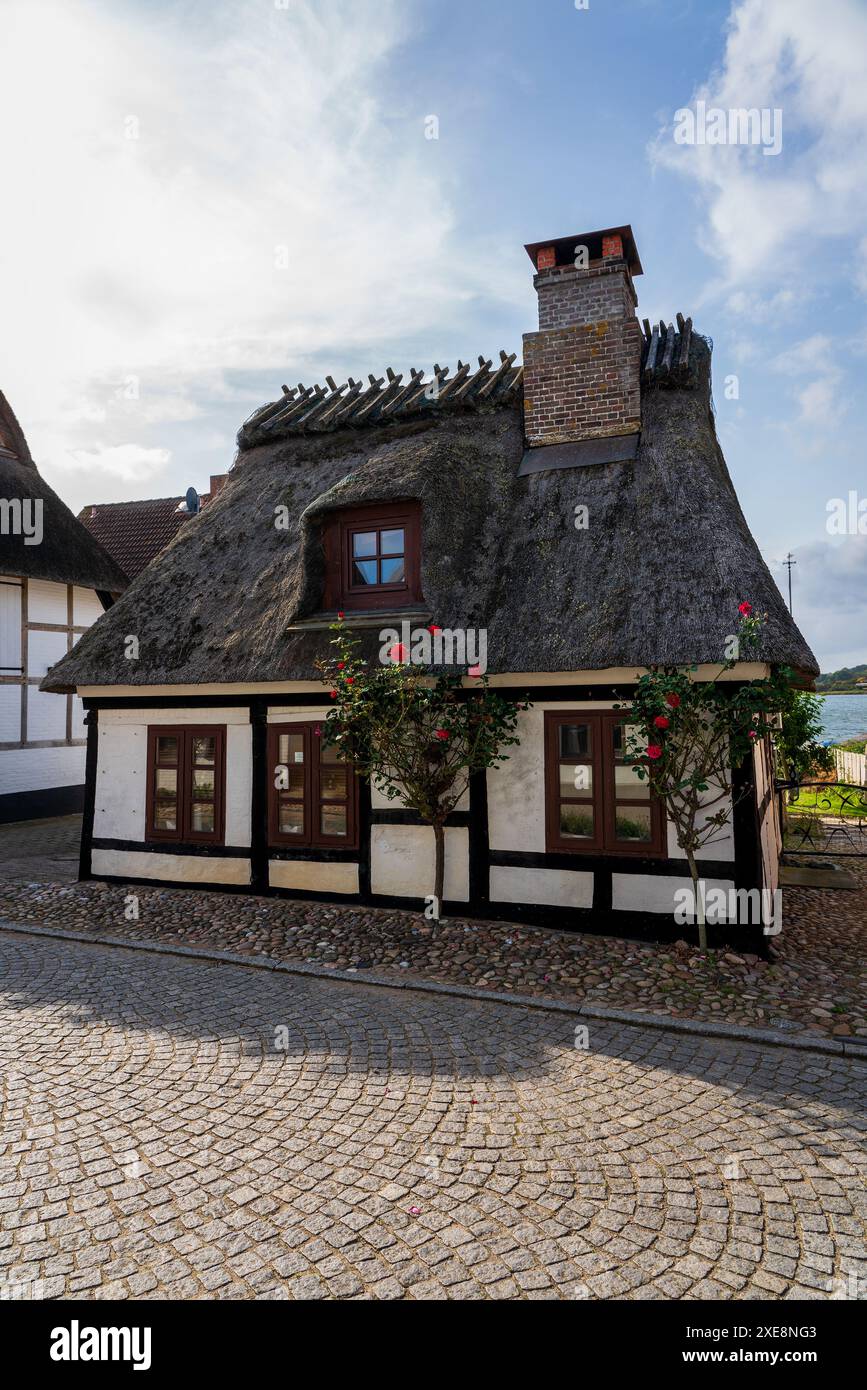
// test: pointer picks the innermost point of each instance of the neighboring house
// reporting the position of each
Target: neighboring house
(456, 500)
(134, 533)
(55, 580)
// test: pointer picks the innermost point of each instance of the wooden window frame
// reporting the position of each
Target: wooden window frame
(312, 837)
(605, 799)
(185, 733)
(337, 533)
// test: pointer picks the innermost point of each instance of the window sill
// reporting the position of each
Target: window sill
(361, 617)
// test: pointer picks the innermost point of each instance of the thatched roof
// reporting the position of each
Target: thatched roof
(657, 577)
(67, 552)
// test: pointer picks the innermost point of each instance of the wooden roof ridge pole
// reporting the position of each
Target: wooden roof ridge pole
(652, 350)
(336, 407)
(438, 377)
(325, 401)
(360, 399)
(366, 411)
(668, 355)
(310, 399)
(451, 386)
(505, 365)
(472, 385)
(685, 326)
(396, 404)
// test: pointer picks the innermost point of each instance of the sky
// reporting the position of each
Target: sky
(206, 200)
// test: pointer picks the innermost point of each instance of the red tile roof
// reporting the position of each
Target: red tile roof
(134, 533)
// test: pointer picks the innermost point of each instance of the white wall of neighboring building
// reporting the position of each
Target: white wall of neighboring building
(42, 735)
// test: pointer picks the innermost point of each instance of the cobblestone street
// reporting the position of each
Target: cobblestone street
(400, 1145)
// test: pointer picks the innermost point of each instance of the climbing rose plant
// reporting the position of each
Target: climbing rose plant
(420, 736)
(685, 737)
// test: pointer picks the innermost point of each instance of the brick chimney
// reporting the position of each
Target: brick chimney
(218, 482)
(582, 369)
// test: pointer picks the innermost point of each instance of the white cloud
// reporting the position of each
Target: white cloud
(128, 462)
(830, 598)
(772, 219)
(161, 159)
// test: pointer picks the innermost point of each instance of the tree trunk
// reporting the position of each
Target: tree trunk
(698, 895)
(439, 866)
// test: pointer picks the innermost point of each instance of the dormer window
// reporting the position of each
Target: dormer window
(372, 557)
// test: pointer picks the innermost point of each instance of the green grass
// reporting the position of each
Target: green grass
(825, 801)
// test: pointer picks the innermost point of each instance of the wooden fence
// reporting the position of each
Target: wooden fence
(851, 767)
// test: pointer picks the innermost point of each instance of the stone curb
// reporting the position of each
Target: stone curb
(804, 1042)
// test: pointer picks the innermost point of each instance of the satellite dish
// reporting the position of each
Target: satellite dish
(192, 500)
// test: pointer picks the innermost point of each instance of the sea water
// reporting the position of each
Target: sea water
(844, 717)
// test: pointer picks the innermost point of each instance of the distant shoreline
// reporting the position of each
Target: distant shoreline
(841, 692)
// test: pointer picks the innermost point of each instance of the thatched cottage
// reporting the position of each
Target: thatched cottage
(577, 512)
(55, 581)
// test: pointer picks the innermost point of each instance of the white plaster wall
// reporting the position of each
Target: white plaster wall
(516, 788)
(178, 868)
(402, 861)
(36, 769)
(44, 649)
(46, 714)
(653, 892)
(86, 607)
(46, 602)
(308, 876)
(557, 887)
(121, 776)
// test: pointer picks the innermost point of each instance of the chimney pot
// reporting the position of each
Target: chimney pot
(547, 258)
(612, 246)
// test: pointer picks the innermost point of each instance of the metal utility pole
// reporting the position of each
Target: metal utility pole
(788, 562)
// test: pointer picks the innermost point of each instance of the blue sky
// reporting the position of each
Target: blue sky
(233, 196)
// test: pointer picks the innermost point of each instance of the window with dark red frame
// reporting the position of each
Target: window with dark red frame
(373, 556)
(186, 783)
(313, 793)
(594, 802)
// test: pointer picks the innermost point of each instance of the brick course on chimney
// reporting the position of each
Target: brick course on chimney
(582, 368)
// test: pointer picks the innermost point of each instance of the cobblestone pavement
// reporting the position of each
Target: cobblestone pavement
(155, 1144)
(815, 981)
(40, 851)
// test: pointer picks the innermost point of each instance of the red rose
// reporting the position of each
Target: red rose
(753, 733)
(745, 609)
(654, 751)
(672, 701)
(441, 733)
(350, 680)
(340, 665)
(434, 627)
(334, 694)
(661, 721)
(340, 617)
